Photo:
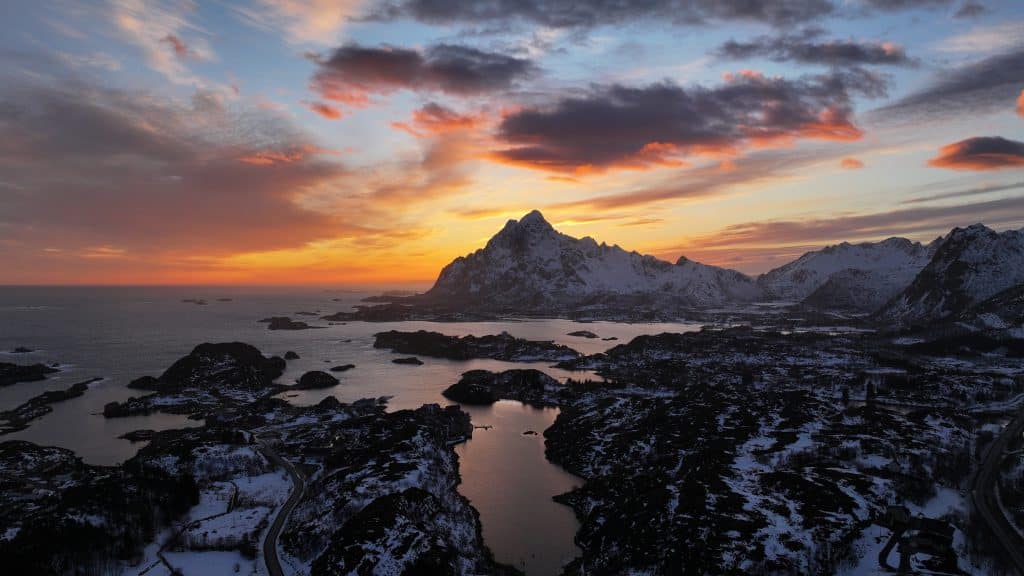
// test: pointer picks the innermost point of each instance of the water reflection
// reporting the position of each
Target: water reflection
(507, 478)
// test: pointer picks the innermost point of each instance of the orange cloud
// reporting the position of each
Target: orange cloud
(434, 119)
(272, 157)
(851, 163)
(1020, 104)
(325, 110)
(981, 153)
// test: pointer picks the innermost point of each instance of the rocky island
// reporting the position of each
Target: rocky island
(498, 347)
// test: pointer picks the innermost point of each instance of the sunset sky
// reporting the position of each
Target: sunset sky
(371, 142)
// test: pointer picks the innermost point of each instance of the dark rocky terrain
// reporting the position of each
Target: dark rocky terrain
(210, 378)
(286, 323)
(501, 347)
(315, 380)
(735, 451)
(38, 406)
(531, 387)
(379, 487)
(14, 373)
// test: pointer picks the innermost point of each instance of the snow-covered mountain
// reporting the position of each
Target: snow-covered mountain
(529, 266)
(970, 265)
(860, 276)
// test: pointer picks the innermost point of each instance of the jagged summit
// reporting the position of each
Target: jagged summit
(530, 267)
(970, 265)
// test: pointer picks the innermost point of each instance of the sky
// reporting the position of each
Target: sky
(370, 142)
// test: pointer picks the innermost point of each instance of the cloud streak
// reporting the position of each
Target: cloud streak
(985, 85)
(807, 47)
(977, 191)
(777, 241)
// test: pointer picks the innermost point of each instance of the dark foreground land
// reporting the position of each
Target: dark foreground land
(724, 451)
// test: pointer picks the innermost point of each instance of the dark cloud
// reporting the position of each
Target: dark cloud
(620, 126)
(981, 153)
(808, 47)
(980, 86)
(353, 73)
(592, 13)
(970, 9)
(897, 5)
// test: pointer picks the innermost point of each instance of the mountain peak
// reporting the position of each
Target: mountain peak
(530, 266)
(534, 217)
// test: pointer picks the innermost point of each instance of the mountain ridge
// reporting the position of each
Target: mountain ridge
(971, 265)
(530, 268)
(529, 265)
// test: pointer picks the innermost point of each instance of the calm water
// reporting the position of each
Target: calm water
(123, 333)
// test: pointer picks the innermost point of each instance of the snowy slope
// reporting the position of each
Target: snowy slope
(880, 267)
(1002, 313)
(971, 265)
(531, 266)
(859, 290)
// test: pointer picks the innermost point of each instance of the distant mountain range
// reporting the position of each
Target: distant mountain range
(531, 268)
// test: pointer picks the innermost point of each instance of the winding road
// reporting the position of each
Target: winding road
(298, 486)
(983, 494)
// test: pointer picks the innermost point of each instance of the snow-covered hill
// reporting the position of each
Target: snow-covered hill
(529, 266)
(971, 265)
(1002, 314)
(861, 276)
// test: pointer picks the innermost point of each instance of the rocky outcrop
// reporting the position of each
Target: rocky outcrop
(484, 387)
(286, 323)
(14, 373)
(500, 347)
(38, 406)
(315, 380)
(205, 379)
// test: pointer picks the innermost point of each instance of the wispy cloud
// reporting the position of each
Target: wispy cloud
(159, 29)
(966, 192)
(984, 39)
(776, 241)
(301, 21)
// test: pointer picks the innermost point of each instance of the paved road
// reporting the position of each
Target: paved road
(983, 495)
(298, 486)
